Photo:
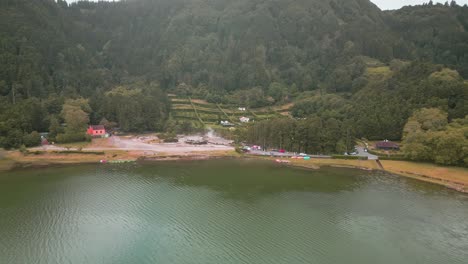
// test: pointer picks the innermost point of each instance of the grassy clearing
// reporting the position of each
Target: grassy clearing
(189, 109)
(216, 153)
(51, 158)
(179, 107)
(378, 73)
(317, 163)
(178, 100)
(438, 173)
(75, 145)
(199, 101)
(362, 164)
(371, 62)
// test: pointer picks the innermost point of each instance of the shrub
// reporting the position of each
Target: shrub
(240, 150)
(71, 137)
(32, 140)
(23, 149)
(37, 152)
(168, 137)
(171, 140)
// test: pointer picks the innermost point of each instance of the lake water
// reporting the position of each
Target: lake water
(227, 212)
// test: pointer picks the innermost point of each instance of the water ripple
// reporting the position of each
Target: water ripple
(226, 212)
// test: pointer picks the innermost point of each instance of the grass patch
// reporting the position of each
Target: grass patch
(317, 163)
(379, 73)
(347, 157)
(196, 113)
(452, 174)
(207, 105)
(79, 152)
(75, 145)
(393, 157)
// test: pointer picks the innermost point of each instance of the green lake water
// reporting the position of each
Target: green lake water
(226, 211)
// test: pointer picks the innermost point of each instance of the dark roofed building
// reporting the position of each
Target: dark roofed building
(387, 145)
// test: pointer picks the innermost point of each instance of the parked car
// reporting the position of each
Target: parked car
(302, 154)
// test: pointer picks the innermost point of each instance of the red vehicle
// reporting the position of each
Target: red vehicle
(282, 151)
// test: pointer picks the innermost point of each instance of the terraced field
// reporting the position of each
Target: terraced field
(200, 111)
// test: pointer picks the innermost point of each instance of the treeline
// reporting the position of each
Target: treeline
(217, 47)
(387, 96)
(136, 107)
(429, 136)
(313, 135)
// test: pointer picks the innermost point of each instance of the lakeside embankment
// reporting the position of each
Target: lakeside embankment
(451, 177)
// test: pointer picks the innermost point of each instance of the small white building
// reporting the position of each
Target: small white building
(226, 124)
(244, 119)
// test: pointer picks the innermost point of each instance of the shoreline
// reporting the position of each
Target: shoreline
(419, 171)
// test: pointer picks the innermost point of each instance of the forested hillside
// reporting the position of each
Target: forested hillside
(342, 60)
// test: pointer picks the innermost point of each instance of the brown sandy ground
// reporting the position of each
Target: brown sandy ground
(17, 159)
(451, 177)
(317, 163)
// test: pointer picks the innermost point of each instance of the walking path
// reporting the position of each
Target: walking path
(136, 144)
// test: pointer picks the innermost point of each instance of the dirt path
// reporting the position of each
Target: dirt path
(121, 143)
(150, 143)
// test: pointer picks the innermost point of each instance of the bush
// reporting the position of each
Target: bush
(171, 140)
(32, 140)
(72, 137)
(373, 152)
(169, 137)
(23, 149)
(13, 139)
(36, 152)
(240, 150)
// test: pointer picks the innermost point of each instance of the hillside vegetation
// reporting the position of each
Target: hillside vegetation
(344, 63)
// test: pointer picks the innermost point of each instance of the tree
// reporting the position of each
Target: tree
(76, 120)
(136, 109)
(429, 137)
(31, 140)
(429, 119)
(450, 147)
(277, 91)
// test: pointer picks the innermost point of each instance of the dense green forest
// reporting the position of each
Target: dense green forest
(343, 62)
